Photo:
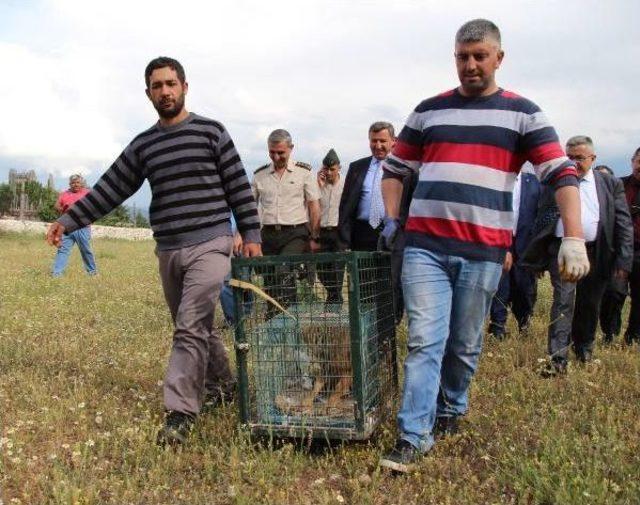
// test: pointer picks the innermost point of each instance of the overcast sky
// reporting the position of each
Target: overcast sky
(73, 88)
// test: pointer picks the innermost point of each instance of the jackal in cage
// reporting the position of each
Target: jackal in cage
(309, 365)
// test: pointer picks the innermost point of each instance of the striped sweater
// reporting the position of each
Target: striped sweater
(196, 180)
(468, 152)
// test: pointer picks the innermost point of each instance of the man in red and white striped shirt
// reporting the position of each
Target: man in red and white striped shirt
(467, 145)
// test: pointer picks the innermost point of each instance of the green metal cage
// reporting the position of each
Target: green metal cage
(323, 364)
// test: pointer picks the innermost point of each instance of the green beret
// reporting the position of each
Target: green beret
(331, 159)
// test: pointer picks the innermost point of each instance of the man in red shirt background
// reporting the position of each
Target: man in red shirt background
(82, 237)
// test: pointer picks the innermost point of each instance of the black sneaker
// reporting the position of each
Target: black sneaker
(401, 458)
(446, 426)
(176, 429)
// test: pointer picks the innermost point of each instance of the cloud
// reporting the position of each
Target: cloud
(324, 70)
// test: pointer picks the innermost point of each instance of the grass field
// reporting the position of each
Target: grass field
(81, 365)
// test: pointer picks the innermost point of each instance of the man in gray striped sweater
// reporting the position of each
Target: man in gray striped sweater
(197, 180)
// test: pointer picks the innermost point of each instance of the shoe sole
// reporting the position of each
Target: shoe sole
(395, 466)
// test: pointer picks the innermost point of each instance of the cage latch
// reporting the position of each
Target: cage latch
(242, 346)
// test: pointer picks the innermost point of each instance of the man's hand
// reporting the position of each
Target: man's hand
(322, 177)
(314, 246)
(237, 244)
(390, 232)
(572, 259)
(508, 262)
(251, 249)
(54, 234)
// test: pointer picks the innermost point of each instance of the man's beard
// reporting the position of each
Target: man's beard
(173, 111)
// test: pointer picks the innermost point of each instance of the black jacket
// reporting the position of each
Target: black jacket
(614, 239)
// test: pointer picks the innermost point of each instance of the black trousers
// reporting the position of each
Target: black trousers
(589, 293)
(613, 301)
(518, 289)
(280, 281)
(363, 237)
(633, 330)
(611, 308)
(331, 274)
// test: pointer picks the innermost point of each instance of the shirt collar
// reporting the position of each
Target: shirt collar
(588, 177)
(289, 167)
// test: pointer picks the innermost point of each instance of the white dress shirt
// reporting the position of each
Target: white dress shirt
(589, 208)
(330, 195)
(516, 202)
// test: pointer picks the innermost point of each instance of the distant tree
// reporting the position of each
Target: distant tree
(6, 195)
(117, 217)
(140, 221)
(47, 207)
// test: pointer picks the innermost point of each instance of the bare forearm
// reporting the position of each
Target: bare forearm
(314, 218)
(391, 195)
(568, 199)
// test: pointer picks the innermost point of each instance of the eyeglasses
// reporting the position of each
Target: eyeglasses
(580, 159)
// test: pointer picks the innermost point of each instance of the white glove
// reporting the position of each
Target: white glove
(573, 262)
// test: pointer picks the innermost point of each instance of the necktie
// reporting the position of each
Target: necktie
(376, 212)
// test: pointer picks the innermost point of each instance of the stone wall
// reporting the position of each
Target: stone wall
(40, 228)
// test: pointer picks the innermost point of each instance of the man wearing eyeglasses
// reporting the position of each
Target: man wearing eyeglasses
(608, 235)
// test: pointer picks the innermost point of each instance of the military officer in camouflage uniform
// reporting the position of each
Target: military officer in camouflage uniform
(288, 196)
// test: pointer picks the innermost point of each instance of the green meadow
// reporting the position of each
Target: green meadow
(82, 361)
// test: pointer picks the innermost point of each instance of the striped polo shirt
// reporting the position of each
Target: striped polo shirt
(196, 179)
(468, 151)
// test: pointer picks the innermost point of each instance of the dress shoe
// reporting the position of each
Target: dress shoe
(584, 355)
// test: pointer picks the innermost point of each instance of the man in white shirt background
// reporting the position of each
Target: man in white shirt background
(331, 184)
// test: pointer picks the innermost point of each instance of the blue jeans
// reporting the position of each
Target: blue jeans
(228, 304)
(82, 237)
(226, 301)
(447, 299)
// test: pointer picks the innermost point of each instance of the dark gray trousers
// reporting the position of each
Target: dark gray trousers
(192, 278)
(564, 294)
(575, 310)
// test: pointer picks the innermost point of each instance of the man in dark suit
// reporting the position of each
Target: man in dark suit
(518, 286)
(609, 240)
(361, 206)
(611, 320)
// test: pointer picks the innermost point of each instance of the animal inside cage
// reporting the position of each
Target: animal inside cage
(322, 362)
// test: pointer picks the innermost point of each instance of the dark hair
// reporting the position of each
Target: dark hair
(636, 153)
(478, 30)
(161, 62)
(603, 168)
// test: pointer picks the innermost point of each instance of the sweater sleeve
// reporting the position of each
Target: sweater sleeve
(237, 189)
(119, 182)
(542, 148)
